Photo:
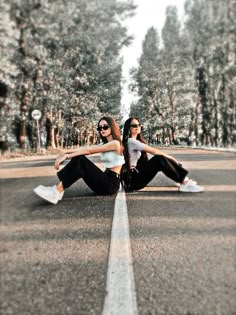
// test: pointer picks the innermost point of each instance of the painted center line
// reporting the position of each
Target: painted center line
(121, 296)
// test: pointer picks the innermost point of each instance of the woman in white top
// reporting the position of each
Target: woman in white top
(139, 171)
(101, 182)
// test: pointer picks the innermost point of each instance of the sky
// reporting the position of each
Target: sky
(148, 13)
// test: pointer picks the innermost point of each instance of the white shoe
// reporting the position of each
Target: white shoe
(190, 186)
(41, 186)
(51, 194)
(178, 184)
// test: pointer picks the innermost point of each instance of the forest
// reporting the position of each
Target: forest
(63, 58)
(186, 78)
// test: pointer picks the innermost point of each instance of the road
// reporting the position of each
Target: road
(55, 259)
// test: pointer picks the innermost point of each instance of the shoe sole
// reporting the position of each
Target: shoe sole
(191, 191)
(44, 197)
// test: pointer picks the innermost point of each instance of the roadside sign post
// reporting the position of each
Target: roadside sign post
(36, 115)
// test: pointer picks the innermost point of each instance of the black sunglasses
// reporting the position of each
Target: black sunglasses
(104, 127)
(136, 125)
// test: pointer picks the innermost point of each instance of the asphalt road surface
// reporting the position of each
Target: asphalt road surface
(55, 259)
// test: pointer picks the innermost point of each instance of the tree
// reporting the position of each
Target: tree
(211, 30)
(178, 77)
(164, 81)
(67, 61)
(146, 82)
(8, 71)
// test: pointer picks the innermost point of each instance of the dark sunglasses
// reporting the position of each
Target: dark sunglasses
(136, 125)
(104, 127)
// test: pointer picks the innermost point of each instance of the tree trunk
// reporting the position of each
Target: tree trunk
(52, 137)
(22, 136)
(173, 135)
(57, 138)
(195, 127)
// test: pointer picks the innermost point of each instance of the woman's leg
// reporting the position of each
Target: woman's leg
(81, 167)
(157, 163)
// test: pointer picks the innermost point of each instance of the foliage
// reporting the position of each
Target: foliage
(66, 61)
(186, 88)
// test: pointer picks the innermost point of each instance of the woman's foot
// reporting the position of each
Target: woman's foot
(51, 194)
(178, 184)
(190, 186)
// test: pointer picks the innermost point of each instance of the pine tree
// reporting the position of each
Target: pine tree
(146, 82)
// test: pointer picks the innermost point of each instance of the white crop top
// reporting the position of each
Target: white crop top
(112, 159)
(135, 147)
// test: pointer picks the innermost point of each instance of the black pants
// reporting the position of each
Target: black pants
(138, 178)
(102, 183)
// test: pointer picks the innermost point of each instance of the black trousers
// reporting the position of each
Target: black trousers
(139, 177)
(102, 183)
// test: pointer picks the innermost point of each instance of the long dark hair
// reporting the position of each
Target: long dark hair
(126, 136)
(115, 131)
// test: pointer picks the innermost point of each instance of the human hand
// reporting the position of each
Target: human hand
(59, 160)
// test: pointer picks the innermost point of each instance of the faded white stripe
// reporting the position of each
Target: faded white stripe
(121, 296)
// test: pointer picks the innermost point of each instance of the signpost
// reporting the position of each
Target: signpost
(36, 115)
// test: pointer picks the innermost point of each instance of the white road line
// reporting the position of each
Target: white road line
(121, 296)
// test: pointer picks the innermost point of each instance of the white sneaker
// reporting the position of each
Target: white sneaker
(178, 184)
(41, 186)
(190, 186)
(50, 194)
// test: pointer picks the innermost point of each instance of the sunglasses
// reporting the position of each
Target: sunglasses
(136, 125)
(104, 127)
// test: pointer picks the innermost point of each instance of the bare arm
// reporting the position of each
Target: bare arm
(69, 153)
(155, 151)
